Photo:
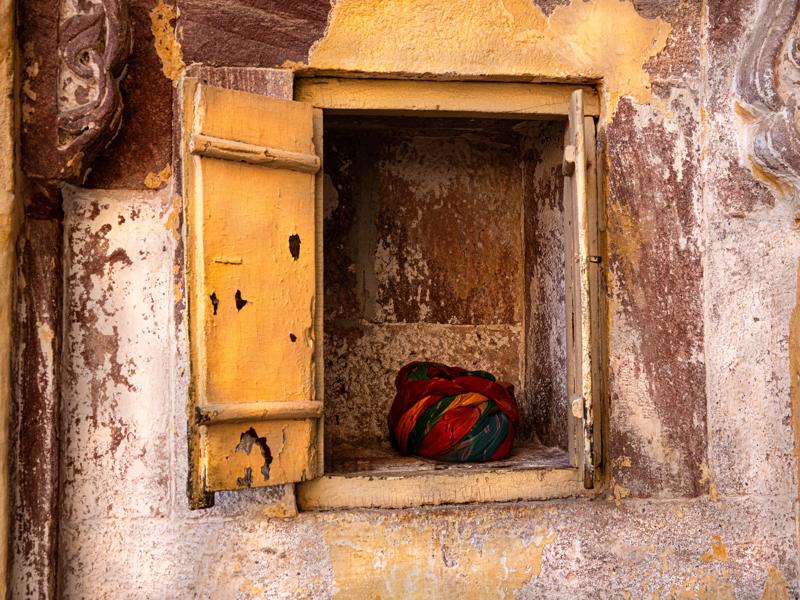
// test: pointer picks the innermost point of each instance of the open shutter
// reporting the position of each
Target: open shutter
(251, 167)
(583, 272)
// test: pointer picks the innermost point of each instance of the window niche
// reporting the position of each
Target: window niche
(443, 241)
(455, 222)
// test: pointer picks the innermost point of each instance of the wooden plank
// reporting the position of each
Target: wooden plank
(436, 488)
(210, 414)
(198, 496)
(575, 422)
(444, 98)
(251, 224)
(319, 282)
(595, 274)
(275, 158)
(259, 454)
(582, 316)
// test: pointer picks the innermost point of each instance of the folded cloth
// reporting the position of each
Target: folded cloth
(451, 414)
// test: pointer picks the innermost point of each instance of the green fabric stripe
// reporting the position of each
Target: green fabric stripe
(419, 373)
(484, 374)
(480, 445)
(426, 421)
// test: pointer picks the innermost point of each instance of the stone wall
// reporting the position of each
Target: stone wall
(701, 492)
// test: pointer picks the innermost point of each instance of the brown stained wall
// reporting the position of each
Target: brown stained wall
(657, 402)
(545, 366)
(36, 392)
(656, 275)
(424, 233)
(701, 276)
(143, 145)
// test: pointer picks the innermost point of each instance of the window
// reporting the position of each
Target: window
(450, 221)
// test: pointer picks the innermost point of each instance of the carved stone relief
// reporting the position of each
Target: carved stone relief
(75, 52)
(94, 43)
(767, 87)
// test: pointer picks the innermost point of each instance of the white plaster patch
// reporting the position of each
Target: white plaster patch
(115, 395)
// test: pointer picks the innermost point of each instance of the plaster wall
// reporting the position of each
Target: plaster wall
(700, 497)
(425, 225)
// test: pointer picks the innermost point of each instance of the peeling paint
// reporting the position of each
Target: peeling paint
(718, 551)
(425, 562)
(126, 369)
(604, 40)
(162, 18)
(155, 180)
(776, 586)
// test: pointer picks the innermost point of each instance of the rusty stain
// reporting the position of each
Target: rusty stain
(620, 492)
(775, 587)
(173, 222)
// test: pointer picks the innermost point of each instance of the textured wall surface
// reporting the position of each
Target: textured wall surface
(424, 233)
(700, 498)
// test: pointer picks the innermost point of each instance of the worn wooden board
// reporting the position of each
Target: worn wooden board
(421, 488)
(449, 98)
(583, 264)
(252, 285)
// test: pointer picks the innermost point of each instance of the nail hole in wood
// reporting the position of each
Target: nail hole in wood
(240, 302)
(214, 301)
(293, 337)
(294, 246)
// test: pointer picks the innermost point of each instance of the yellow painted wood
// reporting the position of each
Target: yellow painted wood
(319, 307)
(235, 458)
(254, 343)
(445, 98)
(337, 491)
(198, 496)
(214, 147)
(210, 414)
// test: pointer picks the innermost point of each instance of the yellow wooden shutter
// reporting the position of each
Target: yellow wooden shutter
(254, 289)
(583, 271)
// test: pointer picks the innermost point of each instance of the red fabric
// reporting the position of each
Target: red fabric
(449, 381)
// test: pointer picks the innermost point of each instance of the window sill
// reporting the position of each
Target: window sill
(379, 478)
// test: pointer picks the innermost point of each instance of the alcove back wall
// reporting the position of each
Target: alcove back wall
(443, 243)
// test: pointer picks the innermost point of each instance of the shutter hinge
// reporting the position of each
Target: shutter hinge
(592, 259)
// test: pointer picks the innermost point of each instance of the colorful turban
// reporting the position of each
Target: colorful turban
(451, 414)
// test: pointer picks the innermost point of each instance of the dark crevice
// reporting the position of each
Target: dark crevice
(246, 441)
(294, 246)
(293, 337)
(214, 301)
(240, 302)
(247, 480)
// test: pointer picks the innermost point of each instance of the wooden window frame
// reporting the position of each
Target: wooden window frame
(485, 483)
